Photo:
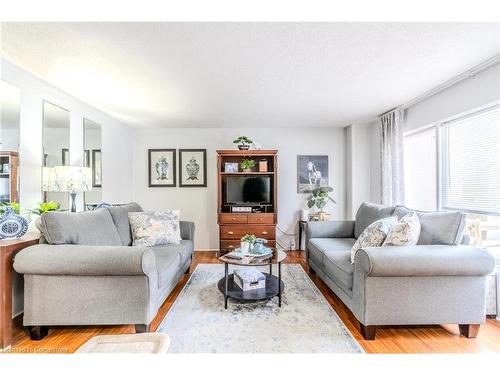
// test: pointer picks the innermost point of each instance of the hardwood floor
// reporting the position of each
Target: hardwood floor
(421, 339)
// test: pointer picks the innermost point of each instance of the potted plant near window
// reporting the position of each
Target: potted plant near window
(246, 242)
(320, 198)
(243, 142)
(247, 165)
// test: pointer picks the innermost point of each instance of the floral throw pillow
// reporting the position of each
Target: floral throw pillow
(153, 228)
(405, 233)
(374, 234)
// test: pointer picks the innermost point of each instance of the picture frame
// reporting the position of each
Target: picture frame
(65, 156)
(86, 158)
(231, 167)
(96, 168)
(312, 172)
(162, 171)
(192, 168)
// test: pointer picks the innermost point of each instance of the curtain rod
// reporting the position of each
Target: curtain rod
(467, 74)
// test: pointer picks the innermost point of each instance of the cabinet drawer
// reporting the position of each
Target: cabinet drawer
(233, 218)
(261, 218)
(234, 244)
(235, 232)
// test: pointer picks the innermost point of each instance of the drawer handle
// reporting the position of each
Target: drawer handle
(264, 232)
(260, 219)
(231, 247)
(233, 219)
(230, 232)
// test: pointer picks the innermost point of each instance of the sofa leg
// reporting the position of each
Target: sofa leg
(469, 330)
(142, 328)
(368, 332)
(38, 332)
(187, 271)
(311, 271)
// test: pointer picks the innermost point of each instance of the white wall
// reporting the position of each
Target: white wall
(359, 175)
(473, 92)
(9, 139)
(117, 161)
(199, 204)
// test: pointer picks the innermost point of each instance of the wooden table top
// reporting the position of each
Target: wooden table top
(28, 237)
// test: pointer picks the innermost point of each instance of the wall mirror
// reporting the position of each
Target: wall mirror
(92, 158)
(56, 125)
(9, 143)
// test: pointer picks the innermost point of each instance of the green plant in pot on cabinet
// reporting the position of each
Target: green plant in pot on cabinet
(320, 197)
(247, 165)
(246, 242)
(243, 142)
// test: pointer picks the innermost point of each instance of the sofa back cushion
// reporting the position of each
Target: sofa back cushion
(122, 224)
(92, 228)
(439, 227)
(369, 213)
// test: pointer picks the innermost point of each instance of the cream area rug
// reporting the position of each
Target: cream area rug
(305, 323)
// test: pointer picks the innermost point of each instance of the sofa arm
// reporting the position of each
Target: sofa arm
(85, 260)
(325, 229)
(423, 260)
(187, 230)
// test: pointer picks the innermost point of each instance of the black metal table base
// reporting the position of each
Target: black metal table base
(274, 287)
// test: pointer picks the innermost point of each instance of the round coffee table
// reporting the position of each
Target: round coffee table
(274, 285)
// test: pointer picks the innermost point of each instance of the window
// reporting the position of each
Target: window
(471, 163)
(465, 174)
(420, 170)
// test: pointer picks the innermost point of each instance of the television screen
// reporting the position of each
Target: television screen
(244, 189)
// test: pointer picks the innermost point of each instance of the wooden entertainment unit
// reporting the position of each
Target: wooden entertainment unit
(260, 218)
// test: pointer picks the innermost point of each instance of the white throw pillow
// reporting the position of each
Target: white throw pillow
(151, 228)
(374, 234)
(405, 233)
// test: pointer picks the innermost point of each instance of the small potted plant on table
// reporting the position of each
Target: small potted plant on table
(243, 142)
(246, 242)
(247, 165)
(320, 198)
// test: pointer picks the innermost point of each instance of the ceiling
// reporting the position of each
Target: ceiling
(247, 74)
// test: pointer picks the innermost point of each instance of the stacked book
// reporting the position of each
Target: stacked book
(249, 279)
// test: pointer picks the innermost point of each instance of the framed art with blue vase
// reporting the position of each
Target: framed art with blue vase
(161, 167)
(193, 168)
(12, 225)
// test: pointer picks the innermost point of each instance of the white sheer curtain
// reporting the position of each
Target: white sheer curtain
(391, 156)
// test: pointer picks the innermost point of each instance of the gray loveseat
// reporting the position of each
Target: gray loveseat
(85, 271)
(437, 281)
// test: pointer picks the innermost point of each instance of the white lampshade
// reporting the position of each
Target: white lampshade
(70, 179)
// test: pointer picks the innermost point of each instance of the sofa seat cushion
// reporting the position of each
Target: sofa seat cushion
(318, 246)
(168, 264)
(338, 266)
(120, 218)
(438, 228)
(369, 213)
(170, 258)
(92, 228)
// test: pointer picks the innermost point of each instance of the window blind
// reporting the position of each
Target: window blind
(471, 163)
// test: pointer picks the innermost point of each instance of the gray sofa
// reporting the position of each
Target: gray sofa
(437, 281)
(85, 271)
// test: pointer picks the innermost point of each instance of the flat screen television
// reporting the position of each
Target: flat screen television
(247, 189)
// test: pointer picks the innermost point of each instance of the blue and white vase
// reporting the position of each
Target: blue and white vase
(162, 168)
(12, 225)
(192, 168)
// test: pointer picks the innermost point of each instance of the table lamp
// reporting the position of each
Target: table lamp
(68, 179)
